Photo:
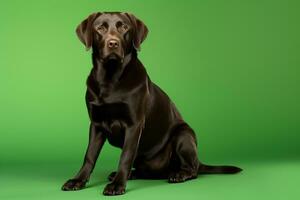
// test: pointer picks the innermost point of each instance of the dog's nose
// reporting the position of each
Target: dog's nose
(112, 44)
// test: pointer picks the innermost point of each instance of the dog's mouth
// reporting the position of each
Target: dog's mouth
(113, 59)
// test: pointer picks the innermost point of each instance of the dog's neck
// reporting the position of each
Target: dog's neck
(109, 73)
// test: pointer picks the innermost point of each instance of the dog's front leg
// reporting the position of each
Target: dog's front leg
(132, 137)
(96, 141)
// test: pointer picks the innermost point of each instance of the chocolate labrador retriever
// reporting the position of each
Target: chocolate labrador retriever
(131, 112)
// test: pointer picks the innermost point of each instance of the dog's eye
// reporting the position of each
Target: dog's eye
(125, 27)
(102, 28)
(122, 27)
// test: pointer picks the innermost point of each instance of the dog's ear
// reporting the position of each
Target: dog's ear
(84, 30)
(140, 30)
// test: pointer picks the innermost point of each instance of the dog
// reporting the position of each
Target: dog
(131, 112)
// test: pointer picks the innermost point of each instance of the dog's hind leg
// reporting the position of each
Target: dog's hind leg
(184, 163)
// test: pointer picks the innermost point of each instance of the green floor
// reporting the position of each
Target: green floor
(259, 180)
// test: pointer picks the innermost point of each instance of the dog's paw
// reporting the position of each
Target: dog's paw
(114, 189)
(180, 176)
(73, 184)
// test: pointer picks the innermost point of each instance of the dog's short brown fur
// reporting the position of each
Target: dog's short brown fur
(131, 112)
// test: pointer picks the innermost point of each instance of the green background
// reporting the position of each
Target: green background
(231, 67)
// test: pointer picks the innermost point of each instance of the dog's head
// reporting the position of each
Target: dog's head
(112, 35)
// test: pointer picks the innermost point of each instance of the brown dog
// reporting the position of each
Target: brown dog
(131, 112)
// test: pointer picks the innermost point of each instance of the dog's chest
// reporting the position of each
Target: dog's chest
(113, 118)
(109, 112)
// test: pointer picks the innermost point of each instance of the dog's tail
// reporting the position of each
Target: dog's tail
(223, 169)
